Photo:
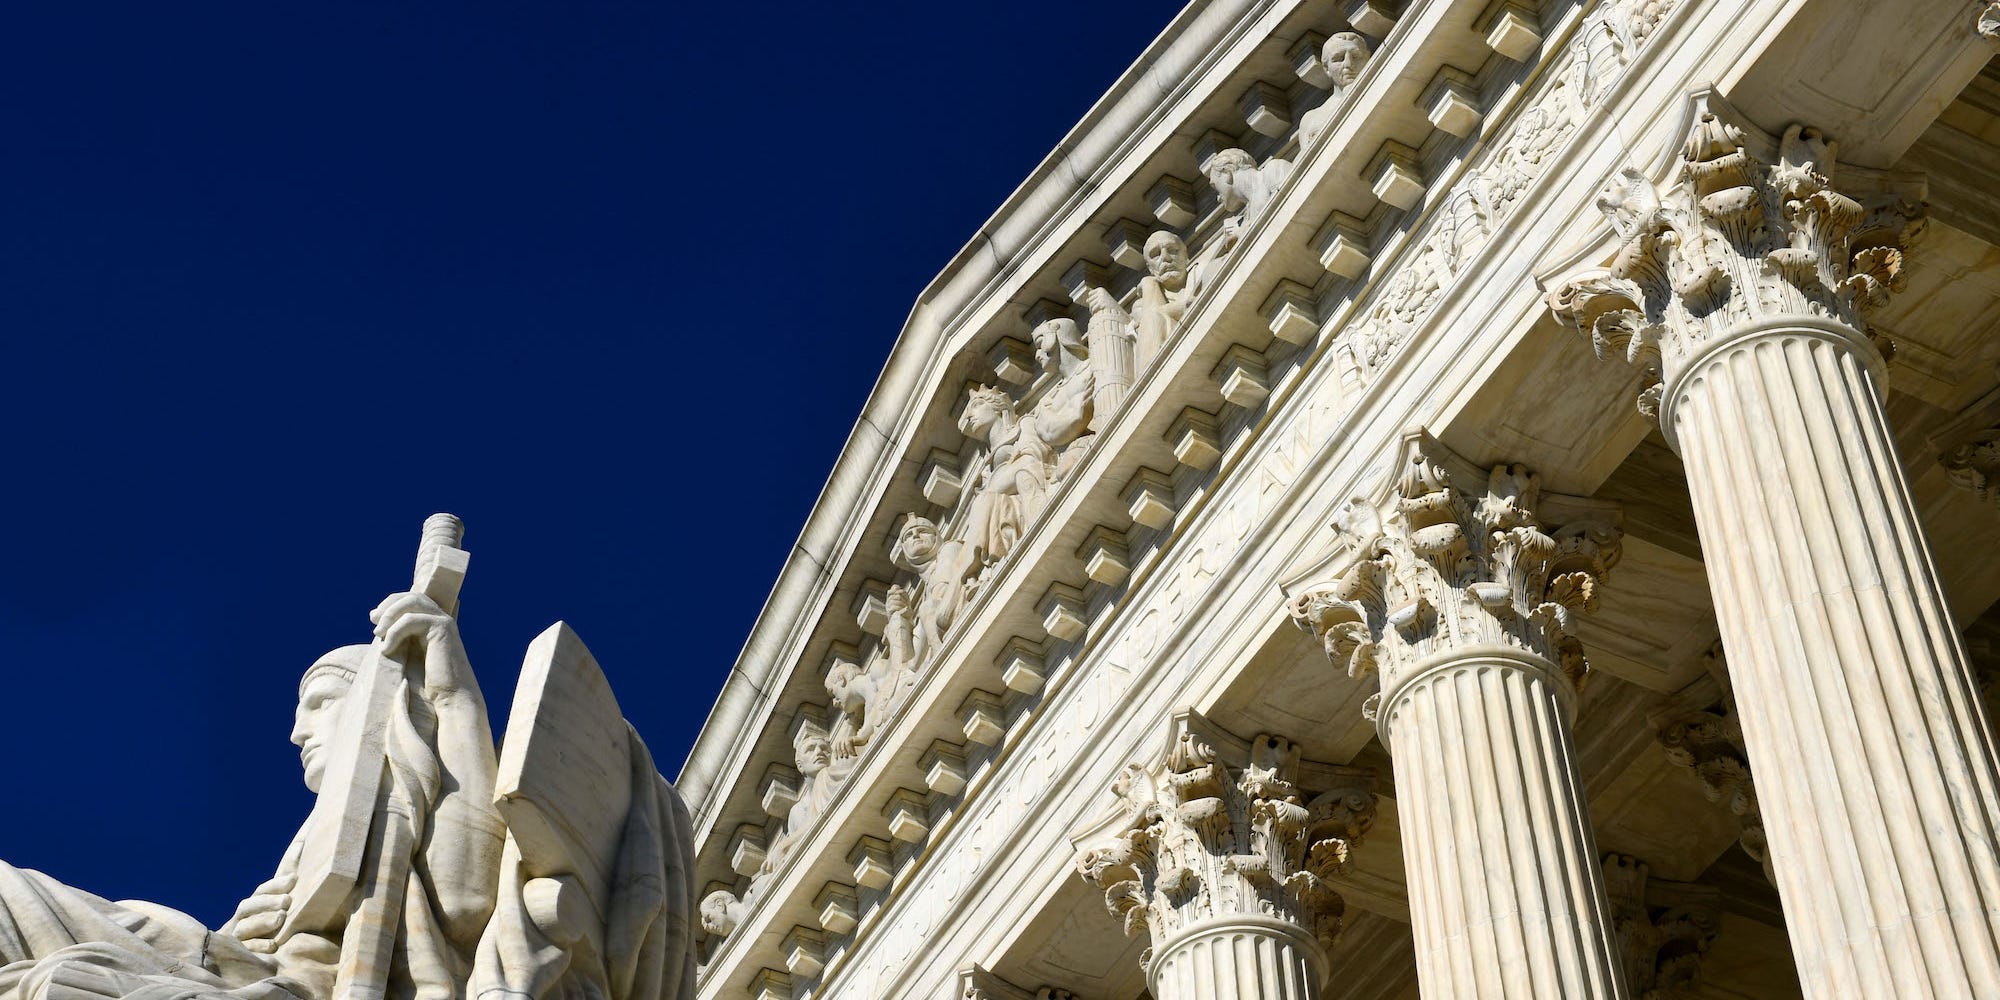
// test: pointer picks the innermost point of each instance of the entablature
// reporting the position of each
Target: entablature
(1106, 516)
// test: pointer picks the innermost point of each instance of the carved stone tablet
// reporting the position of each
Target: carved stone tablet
(565, 767)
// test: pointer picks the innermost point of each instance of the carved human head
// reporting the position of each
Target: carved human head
(984, 405)
(321, 690)
(917, 543)
(718, 913)
(1167, 259)
(1056, 339)
(1344, 55)
(840, 679)
(812, 751)
(1222, 171)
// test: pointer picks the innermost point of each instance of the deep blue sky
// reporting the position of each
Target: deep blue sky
(611, 281)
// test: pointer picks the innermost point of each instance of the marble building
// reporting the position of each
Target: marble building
(1445, 498)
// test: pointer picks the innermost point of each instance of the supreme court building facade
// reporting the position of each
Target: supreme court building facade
(1415, 497)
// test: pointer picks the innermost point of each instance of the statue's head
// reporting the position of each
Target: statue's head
(321, 691)
(1055, 338)
(718, 915)
(917, 544)
(841, 679)
(812, 751)
(984, 406)
(1167, 259)
(1344, 55)
(1222, 171)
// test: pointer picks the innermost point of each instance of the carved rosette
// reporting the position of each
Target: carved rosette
(1218, 828)
(1465, 560)
(1750, 229)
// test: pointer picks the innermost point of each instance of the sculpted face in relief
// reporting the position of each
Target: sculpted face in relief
(320, 694)
(1344, 56)
(316, 930)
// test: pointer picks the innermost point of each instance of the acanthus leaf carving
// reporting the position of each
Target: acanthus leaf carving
(1664, 928)
(1700, 731)
(1454, 566)
(1749, 228)
(1214, 826)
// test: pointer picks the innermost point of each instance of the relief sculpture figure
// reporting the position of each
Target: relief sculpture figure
(1013, 479)
(1344, 56)
(1245, 190)
(416, 920)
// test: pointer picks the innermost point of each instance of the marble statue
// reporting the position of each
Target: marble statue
(1064, 414)
(1172, 281)
(821, 774)
(1245, 189)
(445, 905)
(1013, 478)
(1344, 56)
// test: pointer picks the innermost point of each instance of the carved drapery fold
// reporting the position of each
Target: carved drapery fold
(1222, 837)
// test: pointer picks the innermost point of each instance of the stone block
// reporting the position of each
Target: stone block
(1451, 102)
(779, 790)
(1242, 376)
(871, 608)
(1105, 558)
(1063, 611)
(1125, 241)
(872, 864)
(1172, 201)
(1342, 245)
(838, 907)
(1306, 65)
(1395, 177)
(1149, 498)
(1292, 313)
(908, 815)
(983, 718)
(944, 767)
(939, 478)
(1511, 28)
(1021, 666)
(1195, 439)
(1013, 360)
(1266, 109)
(746, 849)
(804, 951)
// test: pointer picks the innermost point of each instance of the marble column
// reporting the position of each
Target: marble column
(1463, 600)
(1739, 289)
(1221, 849)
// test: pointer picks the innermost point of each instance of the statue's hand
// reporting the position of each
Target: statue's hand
(412, 617)
(259, 918)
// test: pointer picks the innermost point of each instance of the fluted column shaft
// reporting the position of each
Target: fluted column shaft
(1875, 772)
(1506, 893)
(1244, 956)
(1464, 600)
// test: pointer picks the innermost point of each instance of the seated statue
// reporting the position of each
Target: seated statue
(441, 909)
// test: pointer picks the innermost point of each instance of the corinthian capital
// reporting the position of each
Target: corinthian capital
(1467, 558)
(1215, 827)
(1748, 228)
